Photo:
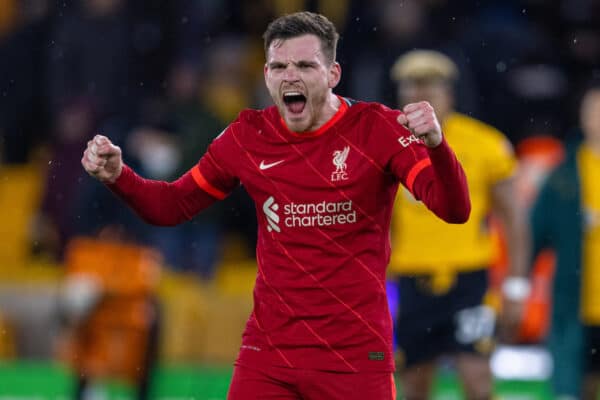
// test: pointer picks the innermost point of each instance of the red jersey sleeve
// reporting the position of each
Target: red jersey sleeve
(433, 176)
(158, 202)
(170, 203)
(214, 173)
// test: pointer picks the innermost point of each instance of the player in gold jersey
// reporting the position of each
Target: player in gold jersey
(443, 277)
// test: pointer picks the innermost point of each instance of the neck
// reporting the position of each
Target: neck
(330, 107)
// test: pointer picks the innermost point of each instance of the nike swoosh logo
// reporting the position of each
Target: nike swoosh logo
(264, 166)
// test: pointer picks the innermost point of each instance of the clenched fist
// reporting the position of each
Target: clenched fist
(420, 119)
(102, 159)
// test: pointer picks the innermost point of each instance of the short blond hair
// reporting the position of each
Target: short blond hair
(424, 65)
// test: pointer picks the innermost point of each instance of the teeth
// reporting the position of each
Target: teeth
(292, 94)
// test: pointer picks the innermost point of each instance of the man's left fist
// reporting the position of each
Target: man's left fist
(421, 120)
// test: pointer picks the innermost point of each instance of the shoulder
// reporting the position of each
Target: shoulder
(376, 115)
(250, 121)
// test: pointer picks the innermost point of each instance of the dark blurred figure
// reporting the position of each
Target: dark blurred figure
(376, 32)
(566, 218)
(23, 117)
(518, 60)
(56, 223)
(91, 56)
(171, 141)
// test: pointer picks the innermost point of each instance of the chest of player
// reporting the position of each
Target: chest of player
(475, 165)
(322, 168)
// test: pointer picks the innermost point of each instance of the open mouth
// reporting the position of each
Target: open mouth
(294, 102)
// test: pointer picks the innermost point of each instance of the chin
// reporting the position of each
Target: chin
(298, 125)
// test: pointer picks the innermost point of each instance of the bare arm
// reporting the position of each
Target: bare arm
(516, 287)
(514, 219)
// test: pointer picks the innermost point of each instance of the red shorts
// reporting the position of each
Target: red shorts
(296, 384)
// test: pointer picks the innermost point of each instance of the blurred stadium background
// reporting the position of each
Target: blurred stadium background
(162, 78)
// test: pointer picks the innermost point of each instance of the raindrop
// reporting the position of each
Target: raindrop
(574, 40)
(357, 19)
(501, 66)
(185, 20)
(50, 162)
(374, 29)
(523, 11)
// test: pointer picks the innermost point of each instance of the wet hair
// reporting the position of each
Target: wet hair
(304, 23)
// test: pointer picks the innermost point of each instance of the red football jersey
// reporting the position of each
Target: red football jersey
(323, 202)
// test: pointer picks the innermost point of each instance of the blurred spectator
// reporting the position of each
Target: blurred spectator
(23, 118)
(108, 304)
(166, 148)
(566, 218)
(55, 223)
(442, 292)
(91, 56)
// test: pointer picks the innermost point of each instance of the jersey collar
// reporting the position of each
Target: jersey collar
(344, 105)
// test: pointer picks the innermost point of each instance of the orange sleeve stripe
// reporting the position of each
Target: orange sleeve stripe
(204, 185)
(393, 386)
(414, 172)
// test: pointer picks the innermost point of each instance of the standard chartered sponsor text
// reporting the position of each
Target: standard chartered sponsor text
(318, 214)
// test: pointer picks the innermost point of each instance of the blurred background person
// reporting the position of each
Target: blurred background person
(442, 289)
(566, 218)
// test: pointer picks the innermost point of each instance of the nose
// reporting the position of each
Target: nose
(290, 73)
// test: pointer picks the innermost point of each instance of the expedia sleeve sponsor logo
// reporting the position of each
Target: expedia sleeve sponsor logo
(301, 215)
(406, 141)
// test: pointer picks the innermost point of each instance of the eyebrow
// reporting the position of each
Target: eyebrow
(301, 63)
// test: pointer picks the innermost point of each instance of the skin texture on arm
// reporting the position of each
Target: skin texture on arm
(513, 219)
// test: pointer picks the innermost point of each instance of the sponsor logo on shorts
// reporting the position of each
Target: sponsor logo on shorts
(474, 324)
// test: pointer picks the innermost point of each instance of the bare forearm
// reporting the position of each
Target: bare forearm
(514, 220)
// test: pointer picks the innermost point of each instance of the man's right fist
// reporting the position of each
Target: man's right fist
(102, 159)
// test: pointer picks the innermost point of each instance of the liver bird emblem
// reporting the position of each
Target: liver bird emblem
(339, 159)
